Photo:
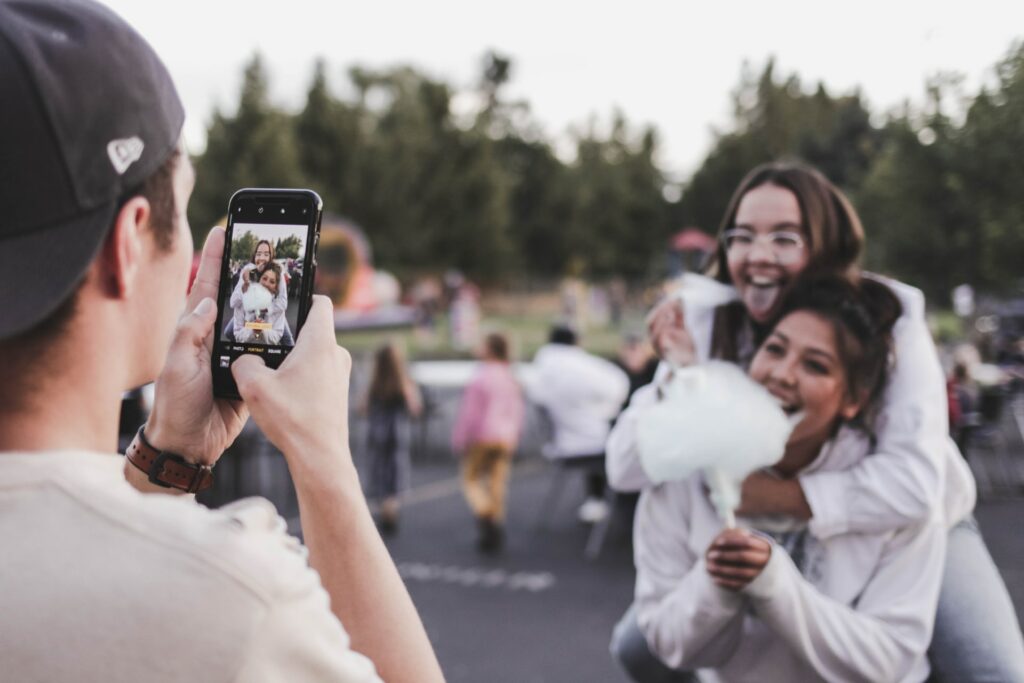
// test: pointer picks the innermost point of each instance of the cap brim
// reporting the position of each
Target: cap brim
(43, 266)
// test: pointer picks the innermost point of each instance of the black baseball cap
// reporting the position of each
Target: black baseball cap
(87, 113)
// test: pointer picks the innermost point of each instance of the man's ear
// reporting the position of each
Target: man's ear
(122, 256)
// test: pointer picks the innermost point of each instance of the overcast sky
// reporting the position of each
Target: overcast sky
(670, 64)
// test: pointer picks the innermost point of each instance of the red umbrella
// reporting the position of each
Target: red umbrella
(692, 239)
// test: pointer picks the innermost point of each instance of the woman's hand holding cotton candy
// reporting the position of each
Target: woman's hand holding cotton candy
(736, 557)
(667, 330)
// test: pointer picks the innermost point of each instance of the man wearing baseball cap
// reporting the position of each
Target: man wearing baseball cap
(104, 578)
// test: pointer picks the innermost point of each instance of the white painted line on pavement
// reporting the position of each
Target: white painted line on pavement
(533, 582)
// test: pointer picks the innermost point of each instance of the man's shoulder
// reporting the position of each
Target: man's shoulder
(245, 543)
(80, 540)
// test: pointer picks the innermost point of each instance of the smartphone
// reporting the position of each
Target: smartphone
(266, 278)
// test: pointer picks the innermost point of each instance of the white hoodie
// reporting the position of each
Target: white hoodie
(860, 607)
(582, 394)
(914, 469)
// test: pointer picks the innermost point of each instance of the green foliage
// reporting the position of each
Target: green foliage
(437, 187)
(254, 148)
(776, 120)
(942, 201)
(287, 247)
(242, 248)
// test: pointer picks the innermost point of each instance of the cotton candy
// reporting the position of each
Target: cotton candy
(255, 299)
(712, 417)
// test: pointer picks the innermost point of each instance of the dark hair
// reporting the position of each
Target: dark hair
(862, 314)
(497, 346)
(829, 222)
(387, 383)
(158, 189)
(562, 334)
(275, 269)
(257, 248)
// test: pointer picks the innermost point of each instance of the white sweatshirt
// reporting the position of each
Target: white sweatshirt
(861, 610)
(582, 394)
(915, 467)
(277, 309)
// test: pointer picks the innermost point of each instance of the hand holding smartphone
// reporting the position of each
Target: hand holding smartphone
(266, 280)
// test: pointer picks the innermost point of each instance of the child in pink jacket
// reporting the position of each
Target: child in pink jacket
(486, 433)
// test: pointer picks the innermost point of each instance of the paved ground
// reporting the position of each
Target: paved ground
(541, 612)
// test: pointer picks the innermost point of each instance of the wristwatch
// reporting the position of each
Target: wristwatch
(167, 469)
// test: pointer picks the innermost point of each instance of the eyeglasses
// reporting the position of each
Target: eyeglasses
(787, 247)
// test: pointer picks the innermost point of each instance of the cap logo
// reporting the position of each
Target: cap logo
(125, 152)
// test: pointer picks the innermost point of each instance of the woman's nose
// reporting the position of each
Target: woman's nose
(783, 372)
(761, 252)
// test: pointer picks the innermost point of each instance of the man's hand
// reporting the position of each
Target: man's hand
(736, 557)
(667, 330)
(764, 494)
(302, 406)
(186, 418)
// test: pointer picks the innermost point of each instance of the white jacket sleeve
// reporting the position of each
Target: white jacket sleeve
(236, 293)
(886, 631)
(280, 304)
(622, 458)
(904, 480)
(687, 620)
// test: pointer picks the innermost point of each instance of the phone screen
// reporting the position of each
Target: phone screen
(266, 278)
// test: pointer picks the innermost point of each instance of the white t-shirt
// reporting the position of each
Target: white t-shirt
(100, 582)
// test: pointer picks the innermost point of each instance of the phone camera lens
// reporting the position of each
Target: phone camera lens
(282, 210)
(260, 209)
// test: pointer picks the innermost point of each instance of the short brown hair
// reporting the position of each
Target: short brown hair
(829, 222)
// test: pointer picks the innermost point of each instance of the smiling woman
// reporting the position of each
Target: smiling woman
(915, 471)
(780, 599)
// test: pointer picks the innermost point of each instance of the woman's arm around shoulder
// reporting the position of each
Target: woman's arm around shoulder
(903, 481)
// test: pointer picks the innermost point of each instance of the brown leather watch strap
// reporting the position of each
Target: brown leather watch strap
(169, 470)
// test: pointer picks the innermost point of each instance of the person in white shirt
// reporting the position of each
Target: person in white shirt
(582, 394)
(111, 571)
(783, 221)
(769, 600)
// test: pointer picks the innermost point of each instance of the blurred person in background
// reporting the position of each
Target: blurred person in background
(391, 400)
(787, 221)
(638, 360)
(486, 434)
(581, 394)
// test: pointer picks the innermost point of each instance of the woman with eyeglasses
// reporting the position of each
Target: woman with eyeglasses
(786, 222)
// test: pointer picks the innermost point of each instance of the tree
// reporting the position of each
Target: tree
(254, 148)
(242, 247)
(288, 247)
(776, 119)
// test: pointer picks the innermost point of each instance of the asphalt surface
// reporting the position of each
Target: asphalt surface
(541, 611)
